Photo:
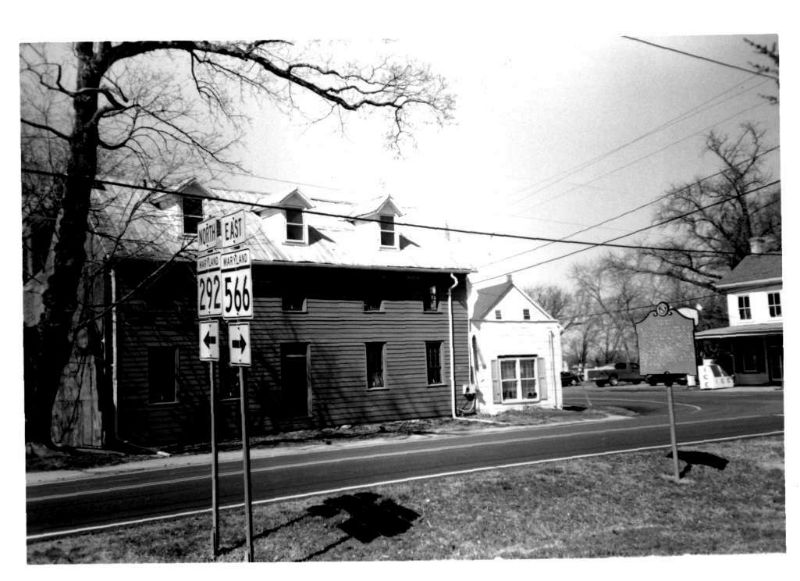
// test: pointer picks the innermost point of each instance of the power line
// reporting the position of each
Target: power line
(703, 58)
(279, 180)
(652, 153)
(633, 210)
(685, 115)
(656, 225)
(639, 308)
(377, 220)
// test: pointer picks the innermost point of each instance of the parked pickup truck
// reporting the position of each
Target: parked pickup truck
(613, 373)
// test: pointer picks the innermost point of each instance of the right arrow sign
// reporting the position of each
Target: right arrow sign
(239, 344)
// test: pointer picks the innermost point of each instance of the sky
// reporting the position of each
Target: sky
(529, 115)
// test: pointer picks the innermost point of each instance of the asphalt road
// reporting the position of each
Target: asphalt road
(135, 495)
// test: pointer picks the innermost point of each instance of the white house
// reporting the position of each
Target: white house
(515, 350)
(751, 348)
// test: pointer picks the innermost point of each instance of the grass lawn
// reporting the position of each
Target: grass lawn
(616, 505)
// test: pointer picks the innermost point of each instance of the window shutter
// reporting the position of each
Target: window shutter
(541, 378)
(497, 393)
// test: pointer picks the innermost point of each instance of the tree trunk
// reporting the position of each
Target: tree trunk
(60, 299)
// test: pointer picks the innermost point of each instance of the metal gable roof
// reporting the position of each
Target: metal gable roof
(130, 224)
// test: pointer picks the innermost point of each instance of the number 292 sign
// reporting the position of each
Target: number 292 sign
(236, 285)
(209, 286)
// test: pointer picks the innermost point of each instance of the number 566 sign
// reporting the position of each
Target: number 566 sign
(237, 285)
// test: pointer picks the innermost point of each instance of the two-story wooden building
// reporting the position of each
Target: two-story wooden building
(751, 347)
(355, 317)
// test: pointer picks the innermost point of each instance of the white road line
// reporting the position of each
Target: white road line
(635, 401)
(471, 445)
(43, 536)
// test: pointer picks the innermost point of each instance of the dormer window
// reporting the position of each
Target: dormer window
(192, 214)
(388, 234)
(295, 228)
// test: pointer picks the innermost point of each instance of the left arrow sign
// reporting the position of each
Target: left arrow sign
(209, 346)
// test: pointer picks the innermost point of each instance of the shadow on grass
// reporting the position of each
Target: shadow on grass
(370, 517)
(225, 549)
(696, 458)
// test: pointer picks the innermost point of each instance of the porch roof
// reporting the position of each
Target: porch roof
(755, 330)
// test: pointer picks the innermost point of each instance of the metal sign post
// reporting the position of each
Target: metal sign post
(214, 467)
(236, 304)
(672, 435)
(248, 506)
(240, 356)
(209, 304)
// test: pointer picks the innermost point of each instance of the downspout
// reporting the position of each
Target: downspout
(452, 348)
(114, 357)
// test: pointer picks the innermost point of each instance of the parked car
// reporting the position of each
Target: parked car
(667, 379)
(613, 373)
(569, 378)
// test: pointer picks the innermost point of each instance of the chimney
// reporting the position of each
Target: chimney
(757, 245)
(509, 278)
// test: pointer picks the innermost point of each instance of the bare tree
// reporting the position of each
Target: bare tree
(152, 107)
(770, 52)
(717, 215)
(558, 303)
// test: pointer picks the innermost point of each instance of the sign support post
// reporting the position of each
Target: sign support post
(672, 435)
(667, 351)
(236, 293)
(214, 467)
(248, 507)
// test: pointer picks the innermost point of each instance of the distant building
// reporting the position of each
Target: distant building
(515, 350)
(351, 319)
(751, 348)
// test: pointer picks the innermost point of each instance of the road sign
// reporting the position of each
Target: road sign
(239, 344)
(207, 234)
(209, 341)
(209, 286)
(232, 229)
(237, 285)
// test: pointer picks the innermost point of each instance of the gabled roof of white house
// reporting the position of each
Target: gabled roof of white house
(754, 269)
(132, 225)
(491, 296)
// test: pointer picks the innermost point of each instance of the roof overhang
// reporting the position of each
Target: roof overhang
(749, 283)
(741, 331)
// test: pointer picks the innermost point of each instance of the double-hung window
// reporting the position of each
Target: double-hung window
(744, 308)
(376, 365)
(433, 359)
(518, 378)
(295, 228)
(388, 234)
(774, 300)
